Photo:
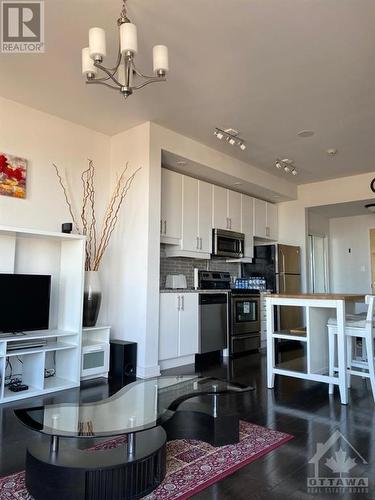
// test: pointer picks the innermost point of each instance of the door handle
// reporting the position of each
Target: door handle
(165, 227)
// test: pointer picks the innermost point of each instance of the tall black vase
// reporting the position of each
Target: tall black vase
(92, 298)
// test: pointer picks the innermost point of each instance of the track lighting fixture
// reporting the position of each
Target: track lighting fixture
(231, 136)
(287, 165)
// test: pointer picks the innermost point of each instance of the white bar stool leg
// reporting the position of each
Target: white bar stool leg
(370, 361)
(331, 358)
(349, 354)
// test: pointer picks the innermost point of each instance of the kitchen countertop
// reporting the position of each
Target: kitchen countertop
(191, 290)
(321, 296)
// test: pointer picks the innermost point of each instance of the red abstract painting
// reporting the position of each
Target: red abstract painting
(12, 176)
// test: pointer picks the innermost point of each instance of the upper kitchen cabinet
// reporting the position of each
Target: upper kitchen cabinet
(247, 224)
(196, 233)
(219, 208)
(171, 207)
(226, 209)
(265, 220)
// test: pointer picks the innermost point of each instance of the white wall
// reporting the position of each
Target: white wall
(293, 219)
(42, 139)
(135, 255)
(350, 254)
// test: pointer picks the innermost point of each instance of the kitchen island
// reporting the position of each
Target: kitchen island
(318, 309)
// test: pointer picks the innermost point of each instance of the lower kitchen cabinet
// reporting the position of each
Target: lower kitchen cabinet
(178, 327)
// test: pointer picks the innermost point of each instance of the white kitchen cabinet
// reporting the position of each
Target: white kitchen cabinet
(226, 209)
(178, 331)
(220, 208)
(265, 220)
(234, 211)
(188, 328)
(205, 216)
(260, 218)
(196, 239)
(168, 325)
(190, 193)
(272, 222)
(171, 207)
(247, 224)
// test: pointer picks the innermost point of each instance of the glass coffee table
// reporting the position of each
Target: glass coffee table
(148, 412)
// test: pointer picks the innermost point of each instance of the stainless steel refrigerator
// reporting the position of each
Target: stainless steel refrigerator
(281, 266)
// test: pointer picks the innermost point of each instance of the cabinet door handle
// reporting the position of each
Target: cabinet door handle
(165, 227)
(197, 243)
(201, 243)
(230, 223)
(182, 302)
(161, 226)
(178, 303)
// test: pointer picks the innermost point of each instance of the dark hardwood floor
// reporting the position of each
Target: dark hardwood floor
(297, 407)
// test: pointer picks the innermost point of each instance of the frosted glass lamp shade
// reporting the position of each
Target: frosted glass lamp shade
(97, 43)
(87, 62)
(128, 38)
(161, 62)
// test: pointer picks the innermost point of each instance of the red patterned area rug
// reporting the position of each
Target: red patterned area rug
(192, 465)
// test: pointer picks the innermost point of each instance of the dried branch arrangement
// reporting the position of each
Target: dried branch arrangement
(86, 223)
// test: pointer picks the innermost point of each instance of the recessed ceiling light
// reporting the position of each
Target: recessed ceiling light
(332, 151)
(181, 163)
(306, 133)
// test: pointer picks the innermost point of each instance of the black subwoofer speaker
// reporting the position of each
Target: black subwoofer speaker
(123, 362)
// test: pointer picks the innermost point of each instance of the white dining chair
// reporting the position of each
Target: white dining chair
(356, 326)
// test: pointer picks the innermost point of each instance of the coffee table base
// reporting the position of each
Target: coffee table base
(71, 474)
(215, 430)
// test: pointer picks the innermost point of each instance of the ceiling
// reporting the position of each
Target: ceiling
(349, 209)
(268, 68)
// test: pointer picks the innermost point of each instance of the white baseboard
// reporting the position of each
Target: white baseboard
(148, 371)
(176, 362)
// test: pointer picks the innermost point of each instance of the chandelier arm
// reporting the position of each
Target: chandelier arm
(151, 80)
(108, 72)
(138, 73)
(118, 62)
(100, 82)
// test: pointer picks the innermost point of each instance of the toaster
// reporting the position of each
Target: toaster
(176, 281)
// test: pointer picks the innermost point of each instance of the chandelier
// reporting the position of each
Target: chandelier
(124, 76)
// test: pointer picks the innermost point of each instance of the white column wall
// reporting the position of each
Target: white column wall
(133, 259)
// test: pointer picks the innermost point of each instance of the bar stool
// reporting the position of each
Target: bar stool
(356, 326)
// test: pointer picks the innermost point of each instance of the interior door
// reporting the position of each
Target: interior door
(290, 317)
(289, 259)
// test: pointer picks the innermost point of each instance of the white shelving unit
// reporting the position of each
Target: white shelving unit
(26, 251)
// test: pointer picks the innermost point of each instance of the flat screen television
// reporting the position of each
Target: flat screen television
(24, 302)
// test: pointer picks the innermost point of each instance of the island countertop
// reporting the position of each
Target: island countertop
(320, 296)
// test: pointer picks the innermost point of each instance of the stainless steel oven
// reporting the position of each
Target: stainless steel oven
(227, 244)
(245, 321)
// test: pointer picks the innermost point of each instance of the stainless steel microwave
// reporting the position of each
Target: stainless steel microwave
(228, 244)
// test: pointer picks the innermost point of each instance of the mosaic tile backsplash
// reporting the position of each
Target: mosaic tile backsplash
(182, 265)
